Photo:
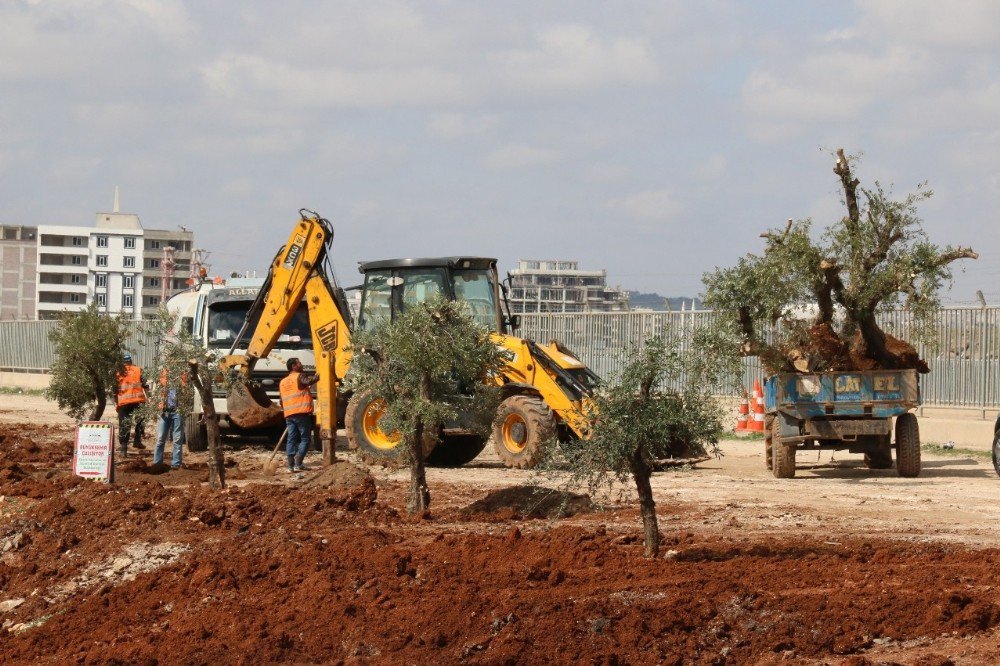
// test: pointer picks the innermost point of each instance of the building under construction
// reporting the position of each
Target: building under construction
(557, 285)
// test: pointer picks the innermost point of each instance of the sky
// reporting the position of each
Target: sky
(656, 140)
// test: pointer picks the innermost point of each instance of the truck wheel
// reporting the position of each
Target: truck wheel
(782, 455)
(523, 426)
(195, 433)
(879, 453)
(375, 446)
(768, 448)
(907, 445)
(456, 450)
(996, 451)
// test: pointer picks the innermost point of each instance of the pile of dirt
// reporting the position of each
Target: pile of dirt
(526, 502)
(822, 349)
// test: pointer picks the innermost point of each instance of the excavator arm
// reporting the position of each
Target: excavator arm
(296, 273)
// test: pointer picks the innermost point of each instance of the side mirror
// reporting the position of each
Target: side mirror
(514, 321)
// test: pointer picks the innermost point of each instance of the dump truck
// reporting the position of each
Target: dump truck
(851, 411)
(546, 389)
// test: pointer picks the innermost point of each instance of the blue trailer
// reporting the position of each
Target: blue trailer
(850, 411)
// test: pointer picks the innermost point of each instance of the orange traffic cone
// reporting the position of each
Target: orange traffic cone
(744, 413)
(757, 423)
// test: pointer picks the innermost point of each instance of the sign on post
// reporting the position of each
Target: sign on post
(94, 451)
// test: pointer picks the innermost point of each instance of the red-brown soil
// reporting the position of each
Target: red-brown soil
(160, 569)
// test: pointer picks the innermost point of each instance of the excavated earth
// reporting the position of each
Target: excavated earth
(838, 566)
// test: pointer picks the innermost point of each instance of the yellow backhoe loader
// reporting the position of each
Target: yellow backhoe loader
(546, 389)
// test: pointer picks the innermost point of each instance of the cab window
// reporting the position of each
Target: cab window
(475, 288)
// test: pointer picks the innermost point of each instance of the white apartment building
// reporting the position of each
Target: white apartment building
(556, 285)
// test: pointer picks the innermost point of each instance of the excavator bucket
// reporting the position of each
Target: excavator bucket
(249, 407)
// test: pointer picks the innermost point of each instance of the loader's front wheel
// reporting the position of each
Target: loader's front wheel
(907, 445)
(375, 446)
(523, 426)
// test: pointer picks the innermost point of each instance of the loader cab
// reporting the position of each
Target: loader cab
(390, 286)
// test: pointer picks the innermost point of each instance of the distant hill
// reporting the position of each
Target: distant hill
(657, 303)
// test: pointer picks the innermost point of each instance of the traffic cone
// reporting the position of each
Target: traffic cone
(744, 414)
(756, 424)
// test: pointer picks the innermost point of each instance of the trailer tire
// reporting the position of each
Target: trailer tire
(907, 445)
(996, 451)
(195, 433)
(783, 455)
(879, 454)
(523, 426)
(456, 450)
(374, 446)
(768, 447)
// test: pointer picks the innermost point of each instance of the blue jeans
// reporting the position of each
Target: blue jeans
(297, 440)
(169, 420)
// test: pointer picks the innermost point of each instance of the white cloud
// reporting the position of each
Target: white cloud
(460, 125)
(520, 156)
(959, 24)
(605, 173)
(649, 205)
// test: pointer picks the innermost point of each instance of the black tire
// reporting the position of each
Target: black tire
(996, 451)
(524, 425)
(879, 453)
(374, 446)
(456, 450)
(907, 445)
(783, 455)
(768, 449)
(195, 433)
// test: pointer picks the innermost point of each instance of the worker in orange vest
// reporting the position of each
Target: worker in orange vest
(131, 396)
(171, 420)
(297, 404)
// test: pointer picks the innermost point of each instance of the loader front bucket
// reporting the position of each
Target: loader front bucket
(249, 407)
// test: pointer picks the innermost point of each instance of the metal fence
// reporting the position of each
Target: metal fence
(964, 362)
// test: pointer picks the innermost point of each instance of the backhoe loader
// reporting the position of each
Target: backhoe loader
(546, 389)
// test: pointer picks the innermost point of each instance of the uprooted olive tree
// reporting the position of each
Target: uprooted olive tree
(810, 304)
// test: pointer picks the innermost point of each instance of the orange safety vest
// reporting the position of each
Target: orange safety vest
(294, 400)
(163, 384)
(130, 386)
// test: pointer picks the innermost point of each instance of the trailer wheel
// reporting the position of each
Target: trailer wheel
(195, 433)
(364, 433)
(768, 448)
(523, 426)
(879, 453)
(782, 455)
(996, 451)
(456, 450)
(907, 445)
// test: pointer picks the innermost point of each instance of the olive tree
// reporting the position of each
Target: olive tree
(430, 364)
(88, 358)
(661, 406)
(876, 257)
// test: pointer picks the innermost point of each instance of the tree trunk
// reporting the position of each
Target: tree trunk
(420, 494)
(100, 396)
(216, 465)
(650, 528)
(875, 342)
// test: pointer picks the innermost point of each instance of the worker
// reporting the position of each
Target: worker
(297, 405)
(130, 397)
(171, 420)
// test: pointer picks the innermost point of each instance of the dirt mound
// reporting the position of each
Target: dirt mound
(525, 502)
(822, 349)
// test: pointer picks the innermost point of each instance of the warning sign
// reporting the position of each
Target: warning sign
(93, 453)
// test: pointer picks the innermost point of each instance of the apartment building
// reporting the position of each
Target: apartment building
(166, 266)
(18, 258)
(556, 285)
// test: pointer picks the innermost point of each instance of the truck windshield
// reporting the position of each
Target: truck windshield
(475, 287)
(226, 319)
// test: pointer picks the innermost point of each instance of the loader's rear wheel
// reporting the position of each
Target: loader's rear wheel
(375, 446)
(879, 453)
(996, 451)
(768, 446)
(456, 450)
(782, 455)
(523, 426)
(195, 433)
(907, 445)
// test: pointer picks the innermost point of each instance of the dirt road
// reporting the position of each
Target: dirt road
(839, 565)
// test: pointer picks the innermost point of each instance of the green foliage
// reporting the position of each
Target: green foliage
(433, 362)
(639, 418)
(88, 350)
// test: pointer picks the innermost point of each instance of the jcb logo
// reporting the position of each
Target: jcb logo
(848, 384)
(328, 336)
(294, 251)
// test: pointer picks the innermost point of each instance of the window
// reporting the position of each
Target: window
(126, 300)
(129, 262)
(152, 300)
(102, 241)
(154, 245)
(101, 281)
(76, 260)
(127, 282)
(74, 298)
(154, 282)
(154, 263)
(102, 260)
(102, 300)
(75, 279)
(77, 241)
(130, 242)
